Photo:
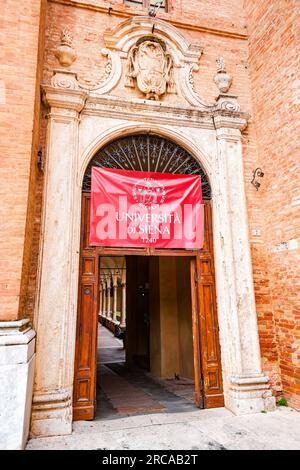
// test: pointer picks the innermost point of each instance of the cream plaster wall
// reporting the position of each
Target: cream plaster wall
(171, 341)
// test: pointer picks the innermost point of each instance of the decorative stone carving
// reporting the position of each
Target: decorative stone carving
(65, 53)
(222, 79)
(194, 68)
(92, 80)
(228, 102)
(151, 66)
(64, 79)
(122, 39)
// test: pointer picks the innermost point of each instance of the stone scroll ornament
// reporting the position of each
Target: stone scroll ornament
(152, 68)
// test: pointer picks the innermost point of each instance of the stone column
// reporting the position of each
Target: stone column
(246, 387)
(123, 312)
(115, 298)
(104, 299)
(55, 319)
(108, 288)
(17, 357)
(100, 301)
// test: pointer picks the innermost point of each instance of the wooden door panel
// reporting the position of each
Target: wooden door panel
(207, 242)
(207, 363)
(86, 215)
(84, 398)
(86, 324)
(208, 321)
(199, 401)
(88, 266)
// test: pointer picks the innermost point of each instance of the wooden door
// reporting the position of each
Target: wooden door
(208, 377)
(198, 378)
(207, 357)
(84, 397)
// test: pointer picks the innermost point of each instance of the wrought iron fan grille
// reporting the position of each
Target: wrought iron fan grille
(147, 153)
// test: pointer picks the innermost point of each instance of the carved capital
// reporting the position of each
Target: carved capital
(228, 102)
(64, 79)
(229, 125)
(66, 98)
(227, 113)
(115, 281)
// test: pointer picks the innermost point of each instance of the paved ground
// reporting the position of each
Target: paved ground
(202, 429)
(136, 411)
(110, 348)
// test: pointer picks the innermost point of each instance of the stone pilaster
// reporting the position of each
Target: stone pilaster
(17, 357)
(246, 387)
(57, 296)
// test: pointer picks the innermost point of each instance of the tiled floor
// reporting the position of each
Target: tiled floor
(110, 348)
(124, 391)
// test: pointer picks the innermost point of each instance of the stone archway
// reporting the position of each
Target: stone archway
(145, 152)
(246, 388)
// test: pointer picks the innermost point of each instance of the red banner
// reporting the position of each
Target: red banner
(145, 209)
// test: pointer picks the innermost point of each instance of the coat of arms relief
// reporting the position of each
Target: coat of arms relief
(151, 67)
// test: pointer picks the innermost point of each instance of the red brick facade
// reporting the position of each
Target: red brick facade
(274, 68)
(21, 36)
(263, 66)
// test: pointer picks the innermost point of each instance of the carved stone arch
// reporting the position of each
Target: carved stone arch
(142, 151)
(179, 137)
(128, 32)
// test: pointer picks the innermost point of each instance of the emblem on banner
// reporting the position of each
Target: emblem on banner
(149, 193)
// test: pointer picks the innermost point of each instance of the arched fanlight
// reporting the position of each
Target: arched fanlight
(145, 152)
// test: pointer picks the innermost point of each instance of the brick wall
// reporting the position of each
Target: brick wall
(217, 14)
(274, 70)
(19, 107)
